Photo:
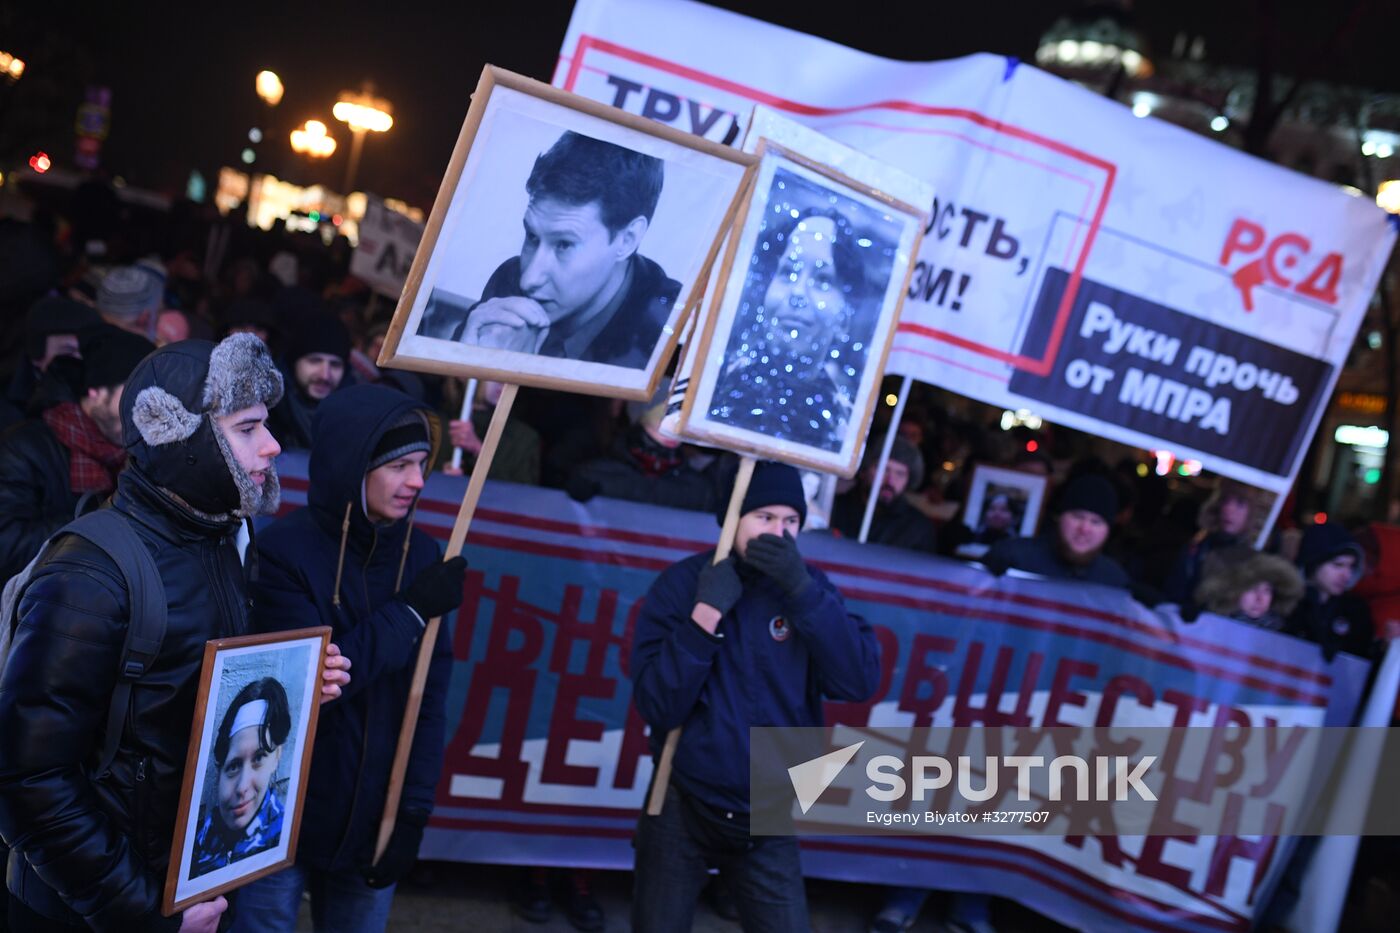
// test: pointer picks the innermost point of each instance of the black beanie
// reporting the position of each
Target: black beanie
(772, 484)
(409, 435)
(1091, 492)
(110, 354)
(316, 332)
(55, 315)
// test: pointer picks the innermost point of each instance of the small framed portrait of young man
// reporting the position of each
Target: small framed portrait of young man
(1003, 503)
(566, 245)
(250, 750)
(788, 362)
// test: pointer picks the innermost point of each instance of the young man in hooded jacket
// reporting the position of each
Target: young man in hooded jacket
(353, 560)
(90, 851)
(759, 639)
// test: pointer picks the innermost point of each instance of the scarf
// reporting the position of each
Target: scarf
(93, 461)
(650, 457)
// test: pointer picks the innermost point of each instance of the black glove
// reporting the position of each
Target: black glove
(719, 585)
(401, 852)
(777, 559)
(437, 590)
(581, 488)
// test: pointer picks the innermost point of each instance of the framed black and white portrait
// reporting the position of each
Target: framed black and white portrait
(249, 754)
(566, 244)
(788, 364)
(1004, 503)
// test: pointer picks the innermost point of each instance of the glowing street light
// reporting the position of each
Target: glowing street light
(311, 140)
(11, 68)
(269, 88)
(363, 113)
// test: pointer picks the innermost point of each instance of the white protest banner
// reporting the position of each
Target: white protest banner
(388, 241)
(1118, 275)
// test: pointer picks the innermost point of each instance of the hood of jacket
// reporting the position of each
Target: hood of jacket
(1323, 542)
(347, 427)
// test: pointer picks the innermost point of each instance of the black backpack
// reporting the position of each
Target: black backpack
(111, 531)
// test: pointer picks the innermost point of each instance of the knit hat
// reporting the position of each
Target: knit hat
(1091, 492)
(128, 291)
(772, 484)
(902, 451)
(55, 315)
(110, 354)
(1324, 542)
(316, 332)
(408, 435)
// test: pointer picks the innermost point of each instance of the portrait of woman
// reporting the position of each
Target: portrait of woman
(245, 814)
(803, 328)
(1001, 516)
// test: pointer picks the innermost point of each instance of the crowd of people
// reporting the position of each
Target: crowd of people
(159, 365)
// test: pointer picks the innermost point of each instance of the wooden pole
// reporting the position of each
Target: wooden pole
(662, 778)
(430, 631)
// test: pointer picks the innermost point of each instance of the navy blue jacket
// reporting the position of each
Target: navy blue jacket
(373, 627)
(716, 686)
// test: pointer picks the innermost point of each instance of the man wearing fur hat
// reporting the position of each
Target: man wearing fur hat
(353, 560)
(70, 452)
(89, 849)
(760, 638)
(896, 522)
(1073, 549)
(1330, 615)
(1233, 515)
(318, 348)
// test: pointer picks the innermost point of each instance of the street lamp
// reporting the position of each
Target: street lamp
(311, 140)
(363, 113)
(11, 68)
(269, 88)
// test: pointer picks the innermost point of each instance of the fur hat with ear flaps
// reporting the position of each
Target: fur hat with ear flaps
(168, 408)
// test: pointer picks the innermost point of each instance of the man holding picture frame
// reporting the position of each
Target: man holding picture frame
(90, 839)
(352, 560)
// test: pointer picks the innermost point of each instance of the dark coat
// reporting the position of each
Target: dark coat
(717, 686)
(103, 843)
(36, 498)
(1038, 556)
(297, 561)
(896, 524)
(619, 476)
(1341, 623)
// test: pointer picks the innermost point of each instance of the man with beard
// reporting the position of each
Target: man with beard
(896, 522)
(1073, 550)
(318, 348)
(784, 375)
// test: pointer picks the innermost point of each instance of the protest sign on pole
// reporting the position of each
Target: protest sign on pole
(1118, 275)
(387, 243)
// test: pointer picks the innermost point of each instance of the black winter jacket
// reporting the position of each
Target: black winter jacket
(36, 498)
(95, 848)
(297, 562)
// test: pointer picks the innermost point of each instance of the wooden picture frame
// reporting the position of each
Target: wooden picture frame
(561, 335)
(252, 688)
(876, 239)
(1025, 490)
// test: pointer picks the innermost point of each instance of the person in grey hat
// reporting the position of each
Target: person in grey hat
(896, 522)
(1073, 548)
(90, 848)
(131, 297)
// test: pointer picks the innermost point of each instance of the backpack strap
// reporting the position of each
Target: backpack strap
(145, 630)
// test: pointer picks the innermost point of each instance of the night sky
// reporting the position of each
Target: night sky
(182, 73)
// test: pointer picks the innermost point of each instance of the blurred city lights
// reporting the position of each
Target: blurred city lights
(40, 162)
(269, 88)
(1388, 196)
(311, 140)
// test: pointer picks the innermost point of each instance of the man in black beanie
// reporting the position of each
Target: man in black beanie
(318, 349)
(759, 639)
(1073, 548)
(70, 451)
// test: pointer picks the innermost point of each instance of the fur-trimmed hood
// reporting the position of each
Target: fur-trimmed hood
(1232, 571)
(167, 411)
(1259, 503)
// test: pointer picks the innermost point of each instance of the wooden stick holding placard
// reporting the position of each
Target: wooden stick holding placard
(425, 648)
(662, 778)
